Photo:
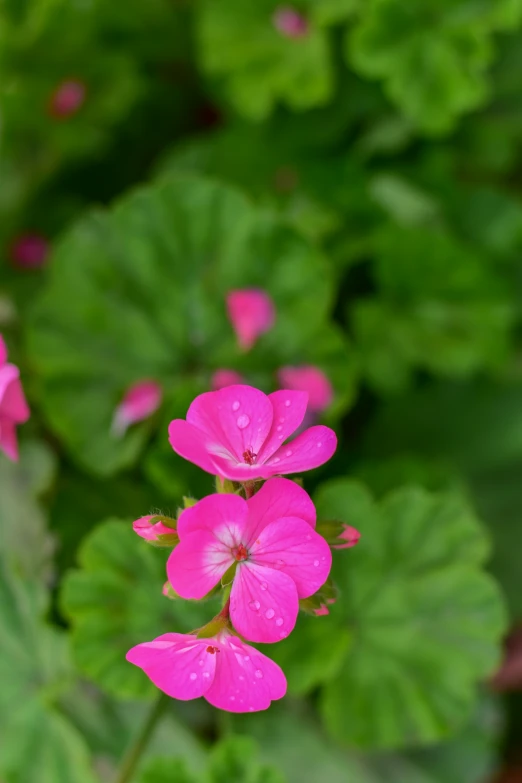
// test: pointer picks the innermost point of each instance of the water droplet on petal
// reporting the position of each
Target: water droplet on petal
(308, 538)
(263, 586)
(232, 698)
(254, 605)
(288, 403)
(206, 675)
(259, 674)
(281, 419)
(282, 634)
(279, 428)
(235, 405)
(289, 453)
(319, 445)
(279, 621)
(243, 421)
(269, 614)
(316, 563)
(201, 663)
(246, 658)
(193, 676)
(251, 709)
(276, 460)
(241, 677)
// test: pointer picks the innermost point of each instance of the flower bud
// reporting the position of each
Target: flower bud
(157, 530)
(338, 534)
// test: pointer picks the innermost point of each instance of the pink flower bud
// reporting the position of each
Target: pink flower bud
(251, 313)
(349, 537)
(151, 530)
(141, 400)
(223, 378)
(290, 22)
(309, 379)
(29, 251)
(67, 99)
(321, 611)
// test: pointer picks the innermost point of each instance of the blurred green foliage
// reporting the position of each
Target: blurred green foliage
(366, 173)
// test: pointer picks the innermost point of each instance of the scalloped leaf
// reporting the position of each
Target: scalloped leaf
(426, 619)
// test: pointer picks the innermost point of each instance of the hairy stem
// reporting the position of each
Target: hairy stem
(134, 753)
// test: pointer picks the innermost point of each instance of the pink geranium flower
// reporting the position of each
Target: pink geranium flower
(13, 406)
(230, 674)
(140, 401)
(309, 379)
(67, 99)
(271, 540)
(223, 378)
(251, 313)
(290, 22)
(239, 432)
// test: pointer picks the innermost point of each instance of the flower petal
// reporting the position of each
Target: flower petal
(294, 549)
(191, 444)
(251, 313)
(13, 404)
(245, 680)
(289, 408)
(8, 439)
(177, 664)
(3, 351)
(312, 448)
(279, 497)
(215, 512)
(263, 603)
(197, 564)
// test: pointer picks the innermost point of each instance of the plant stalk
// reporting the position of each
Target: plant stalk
(134, 753)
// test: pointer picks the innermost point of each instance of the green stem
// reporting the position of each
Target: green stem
(134, 753)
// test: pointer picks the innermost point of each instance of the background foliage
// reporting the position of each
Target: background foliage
(367, 174)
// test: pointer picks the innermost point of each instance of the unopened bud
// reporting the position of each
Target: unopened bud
(338, 534)
(157, 530)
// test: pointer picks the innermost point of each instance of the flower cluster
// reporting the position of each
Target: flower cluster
(255, 541)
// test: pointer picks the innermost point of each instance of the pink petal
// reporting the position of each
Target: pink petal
(312, 448)
(321, 611)
(140, 401)
(236, 419)
(309, 379)
(190, 443)
(278, 497)
(177, 664)
(263, 603)
(289, 408)
(291, 546)
(251, 313)
(3, 351)
(223, 378)
(8, 439)
(245, 680)
(348, 538)
(197, 564)
(214, 513)
(13, 404)
(290, 22)
(144, 529)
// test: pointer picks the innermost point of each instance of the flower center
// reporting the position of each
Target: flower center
(212, 650)
(240, 553)
(249, 457)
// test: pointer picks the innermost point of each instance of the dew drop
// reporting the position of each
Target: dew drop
(235, 405)
(316, 563)
(279, 428)
(309, 538)
(241, 677)
(276, 460)
(269, 614)
(281, 419)
(251, 709)
(282, 634)
(206, 675)
(243, 421)
(279, 621)
(246, 658)
(232, 698)
(259, 674)
(319, 445)
(288, 403)
(254, 605)
(193, 676)
(201, 663)
(263, 586)
(289, 453)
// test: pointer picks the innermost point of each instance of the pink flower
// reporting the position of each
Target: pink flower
(349, 537)
(223, 378)
(271, 541)
(29, 251)
(13, 406)
(290, 22)
(309, 379)
(140, 401)
(67, 99)
(238, 433)
(251, 313)
(230, 674)
(150, 531)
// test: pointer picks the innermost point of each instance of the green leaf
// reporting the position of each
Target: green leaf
(426, 620)
(153, 275)
(168, 770)
(235, 760)
(115, 601)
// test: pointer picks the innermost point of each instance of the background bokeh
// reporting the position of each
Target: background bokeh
(361, 161)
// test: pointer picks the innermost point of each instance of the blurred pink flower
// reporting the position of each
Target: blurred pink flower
(223, 378)
(29, 251)
(67, 98)
(349, 537)
(290, 22)
(310, 379)
(13, 406)
(271, 540)
(251, 313)
(238, 433)
(141, 400)
(228, 673)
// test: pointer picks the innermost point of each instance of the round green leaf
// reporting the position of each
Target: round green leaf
(115, 601)
(426, 620)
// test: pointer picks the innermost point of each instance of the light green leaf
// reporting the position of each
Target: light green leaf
(426, 620)
(236, 760)
(168, 770)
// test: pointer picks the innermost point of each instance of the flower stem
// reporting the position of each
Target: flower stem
(134, 753)
(249, 489)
